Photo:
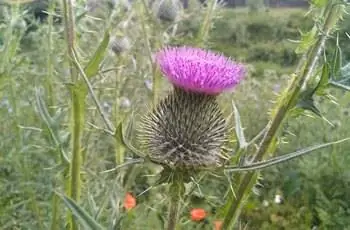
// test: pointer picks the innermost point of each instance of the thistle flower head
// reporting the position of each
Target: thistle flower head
(199, 70)
(187, 128)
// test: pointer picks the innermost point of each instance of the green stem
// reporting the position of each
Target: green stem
(76, 142)
(51, 103)
(50, 69)
(77, 113)
(155, 70)
(173, 214)
(176, 191)
(204, 29)
(288, 101)
(55, 216)
(119, 83)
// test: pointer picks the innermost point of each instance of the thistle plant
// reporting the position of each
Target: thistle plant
(185, 133)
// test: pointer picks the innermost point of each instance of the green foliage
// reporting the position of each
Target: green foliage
(316, 192)
(255, 5)
(87, 221)
(35, 112)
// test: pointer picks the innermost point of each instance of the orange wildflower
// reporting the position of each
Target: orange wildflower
(198, 214)
(129, 201)
(218, 224)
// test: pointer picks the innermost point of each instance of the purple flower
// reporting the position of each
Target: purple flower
(198, 70)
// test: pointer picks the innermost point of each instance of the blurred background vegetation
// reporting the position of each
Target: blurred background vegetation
(302, 194)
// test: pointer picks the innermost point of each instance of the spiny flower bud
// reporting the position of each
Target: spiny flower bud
(185, 130)
(167, 10)
(120, 44)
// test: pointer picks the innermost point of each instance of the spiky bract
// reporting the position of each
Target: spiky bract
(185, 130)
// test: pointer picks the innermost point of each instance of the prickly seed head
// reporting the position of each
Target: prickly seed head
(185, 130)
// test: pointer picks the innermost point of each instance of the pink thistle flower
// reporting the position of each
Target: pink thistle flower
(198, 70)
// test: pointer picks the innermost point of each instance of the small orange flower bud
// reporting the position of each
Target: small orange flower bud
(129, 201)
(198, 214)
(217, 224)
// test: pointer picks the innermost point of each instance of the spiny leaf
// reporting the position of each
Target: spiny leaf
(165, 176)
(319, 3)
(345, 72)
(324, 80)
(343, 82)
(119, 134)
(224, 210)
(130, 162)
(336, 61)
(309, 104)
(239, 129)
(49, 122)
(122, 137)
(82, 216)
(307, 40)
(93, 66)
(339, 85)
(285, 157)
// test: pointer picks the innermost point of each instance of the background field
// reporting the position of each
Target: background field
(315, 189)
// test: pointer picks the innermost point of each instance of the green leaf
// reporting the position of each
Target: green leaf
(324, 80)
(93, 66)
(285, 157)
(119, 134)
(239, 129)
(343, 82)
(50, 124)
(345, 72)
(122, 137)
(165, 176)
(336, 61)
(82, 216)
(309, 104)
(319, 3)
(307, 41)
(339, 85)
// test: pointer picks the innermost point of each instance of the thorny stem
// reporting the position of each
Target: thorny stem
(49, 63)
(173, 214)
(107, 122)
(204, 29)
(155, 70)
(77, 112)
(289, 100)
(176, 191)
(119, 85)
